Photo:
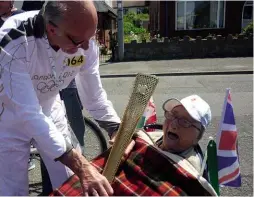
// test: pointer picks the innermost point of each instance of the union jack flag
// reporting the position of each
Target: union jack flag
(227, 147)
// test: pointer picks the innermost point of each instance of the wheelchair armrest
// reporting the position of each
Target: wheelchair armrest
(152, 126)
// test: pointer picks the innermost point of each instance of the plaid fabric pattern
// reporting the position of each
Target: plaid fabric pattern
(145, 172)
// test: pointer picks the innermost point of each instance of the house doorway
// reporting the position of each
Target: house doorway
(247, 14)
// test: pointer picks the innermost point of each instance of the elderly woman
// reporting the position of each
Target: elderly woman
(183, 127)
(163, 163)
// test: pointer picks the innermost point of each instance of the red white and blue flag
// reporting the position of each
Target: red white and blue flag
(227, 147)
(149, 115)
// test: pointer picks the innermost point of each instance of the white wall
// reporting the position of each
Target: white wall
(18, 4)
(109, 2)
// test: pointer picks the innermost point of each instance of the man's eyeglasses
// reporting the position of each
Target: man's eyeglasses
(77, 44)
(180, 121)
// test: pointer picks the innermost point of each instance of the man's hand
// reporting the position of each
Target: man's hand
(92, 182)
(95, 184)
(129, 147)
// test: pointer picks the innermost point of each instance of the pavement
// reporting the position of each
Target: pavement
(228, 72)
(221, 66)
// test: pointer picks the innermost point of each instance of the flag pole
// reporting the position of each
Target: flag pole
(213, 165)
(141, 122)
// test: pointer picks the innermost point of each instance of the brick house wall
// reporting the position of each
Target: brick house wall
(166, 24)
(105, 24)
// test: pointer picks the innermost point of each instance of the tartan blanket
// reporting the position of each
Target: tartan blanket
(144, 172)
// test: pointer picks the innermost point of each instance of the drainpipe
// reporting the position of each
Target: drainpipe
(166, 21)
(120, 30)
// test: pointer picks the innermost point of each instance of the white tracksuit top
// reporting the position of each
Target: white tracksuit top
(31, 75)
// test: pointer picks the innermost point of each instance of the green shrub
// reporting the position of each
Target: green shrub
(138, 38)
(143, 17)
(145, 36)
(128, 27)
(133, 29)
(248, 29)
(103, 50)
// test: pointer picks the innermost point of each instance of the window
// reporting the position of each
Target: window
(199, 14)
(247, 14)
(248, 10)
(139, 10)
(125, 10)
(143, 10)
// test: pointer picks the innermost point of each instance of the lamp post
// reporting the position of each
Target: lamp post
(120, 30)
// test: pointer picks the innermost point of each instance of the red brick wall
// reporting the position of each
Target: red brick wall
(103, 34)
(233, 20)
(153, 13)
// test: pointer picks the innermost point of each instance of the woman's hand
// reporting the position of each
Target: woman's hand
(129, 147)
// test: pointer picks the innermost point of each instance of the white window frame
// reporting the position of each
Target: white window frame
(185, 6)
(246, 4)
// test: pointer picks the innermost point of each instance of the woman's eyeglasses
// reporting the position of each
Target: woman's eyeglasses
(180, 121)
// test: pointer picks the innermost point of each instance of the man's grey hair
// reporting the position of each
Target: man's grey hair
(53, 11)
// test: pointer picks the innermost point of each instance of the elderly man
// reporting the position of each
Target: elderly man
(184, 125)
(7, 9)
(40, 54)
